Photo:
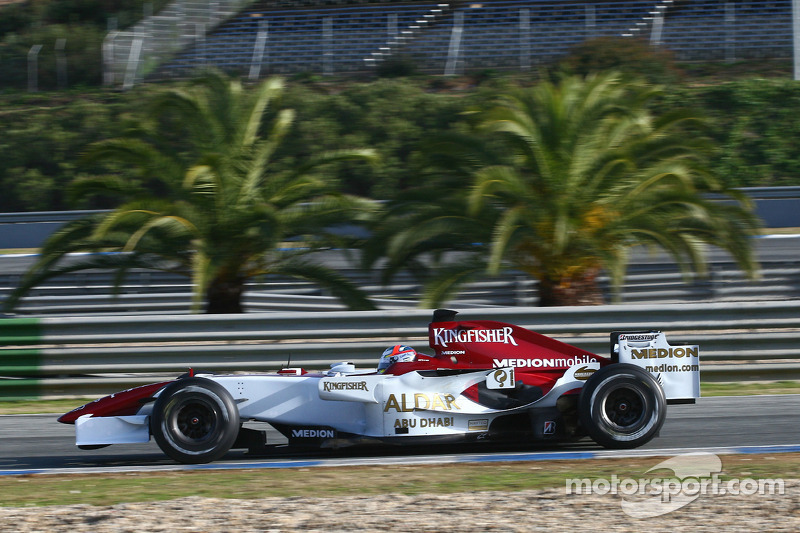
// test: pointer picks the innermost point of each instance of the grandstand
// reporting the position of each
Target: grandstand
(347, 36)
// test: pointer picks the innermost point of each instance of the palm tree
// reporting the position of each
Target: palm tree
(587, 172)
(425, 230)
(211, 205)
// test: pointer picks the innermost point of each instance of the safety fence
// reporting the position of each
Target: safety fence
(73, 356)
(777, 207)
(265, 37)
(126, 54)
(92, 293)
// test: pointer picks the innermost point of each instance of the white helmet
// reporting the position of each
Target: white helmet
(396, 354)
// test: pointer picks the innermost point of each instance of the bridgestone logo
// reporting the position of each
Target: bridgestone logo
(442, 336)
(313, 433)
(345, 385)
(629, 337)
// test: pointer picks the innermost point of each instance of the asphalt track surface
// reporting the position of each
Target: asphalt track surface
(746, 424)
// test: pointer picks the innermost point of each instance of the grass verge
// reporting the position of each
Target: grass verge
(748, 389)
(110, 489)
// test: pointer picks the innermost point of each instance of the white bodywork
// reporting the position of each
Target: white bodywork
(677, 368)
(413, 404)
(103, 430)
(368, 404)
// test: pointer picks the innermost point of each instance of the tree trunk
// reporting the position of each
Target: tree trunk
(224, 296)
(577, 290)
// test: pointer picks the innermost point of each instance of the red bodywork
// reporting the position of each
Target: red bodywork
(127, 402)
(478, 344)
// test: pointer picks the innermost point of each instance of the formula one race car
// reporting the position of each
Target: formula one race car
(486, 381)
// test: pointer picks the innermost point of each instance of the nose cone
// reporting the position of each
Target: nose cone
(124, 403)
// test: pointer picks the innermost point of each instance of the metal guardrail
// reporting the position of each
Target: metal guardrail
(92, 293)
(45, 216)
(755, 193)
(83, 356)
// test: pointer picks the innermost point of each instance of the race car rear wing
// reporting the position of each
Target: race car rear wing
(677, 368)
(499, 345)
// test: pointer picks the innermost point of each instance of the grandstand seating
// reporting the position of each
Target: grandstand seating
(335, 36)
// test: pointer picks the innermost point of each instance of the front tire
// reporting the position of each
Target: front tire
(195, 420)
(622, 406)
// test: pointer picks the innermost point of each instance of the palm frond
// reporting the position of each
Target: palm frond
(353, 297)
(449, 279)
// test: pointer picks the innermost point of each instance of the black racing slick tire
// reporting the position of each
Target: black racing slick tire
(195, 420)
(622, 406)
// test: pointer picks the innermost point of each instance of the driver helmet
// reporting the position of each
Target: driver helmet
(396, 354)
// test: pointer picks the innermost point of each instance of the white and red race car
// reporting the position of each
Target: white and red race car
(486, 381)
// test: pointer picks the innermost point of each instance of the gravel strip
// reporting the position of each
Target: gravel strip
(524, 511)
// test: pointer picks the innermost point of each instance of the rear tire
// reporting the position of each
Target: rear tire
(195, 420)
(622, 406)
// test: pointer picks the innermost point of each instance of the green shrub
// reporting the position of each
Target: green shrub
(82, 54)
(754, 123)
(625, 54)
(397, 66)
(83, 23)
